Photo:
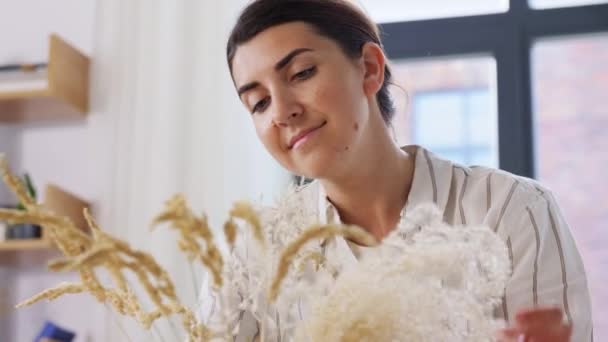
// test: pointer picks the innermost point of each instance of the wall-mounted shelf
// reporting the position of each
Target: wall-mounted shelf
(58, 92)
(60, 202)
(25, 245)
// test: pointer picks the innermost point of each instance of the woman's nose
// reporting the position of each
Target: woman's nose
(286, 110)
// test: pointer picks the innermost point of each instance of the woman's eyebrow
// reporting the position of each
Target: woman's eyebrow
(285, 60)
(247, 87)
(277, 67)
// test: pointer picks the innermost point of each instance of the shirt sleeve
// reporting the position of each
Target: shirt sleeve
(547, 267)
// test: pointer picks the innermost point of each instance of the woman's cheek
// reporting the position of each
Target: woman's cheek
(325, 96)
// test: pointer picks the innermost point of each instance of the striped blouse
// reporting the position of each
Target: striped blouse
(547, 268)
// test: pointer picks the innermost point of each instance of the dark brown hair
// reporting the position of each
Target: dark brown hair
(337, 20)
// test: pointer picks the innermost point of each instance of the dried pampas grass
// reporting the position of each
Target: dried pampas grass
(196, 238)
(88, 254)
(425, 282)
(312, 233)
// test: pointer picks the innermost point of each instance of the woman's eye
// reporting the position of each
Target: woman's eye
(305, 74)
(261, 105)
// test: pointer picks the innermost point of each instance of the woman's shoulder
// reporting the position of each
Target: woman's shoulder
(500, 197)
(477, 181)
(504, 181)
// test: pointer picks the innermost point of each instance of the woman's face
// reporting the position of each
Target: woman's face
(309, 102)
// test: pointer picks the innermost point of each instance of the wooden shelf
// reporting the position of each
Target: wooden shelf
(61, 203)
(25, 245)
(59, 93)
(66, 204)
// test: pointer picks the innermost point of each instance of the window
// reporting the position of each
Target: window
(449, 106)
(571, 117)
(385, 11)
(551, 77)
(537, 4)
(456, 125)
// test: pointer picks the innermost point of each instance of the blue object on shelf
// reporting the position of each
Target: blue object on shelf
(54, 332)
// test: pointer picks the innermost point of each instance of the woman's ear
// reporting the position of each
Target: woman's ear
(373, 62)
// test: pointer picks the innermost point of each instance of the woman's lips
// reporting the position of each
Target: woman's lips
(301, 138)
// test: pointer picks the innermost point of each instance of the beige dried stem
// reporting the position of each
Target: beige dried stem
(196, 238)
(311, 233)
(86, 254)
(247, 213)
(68, 238)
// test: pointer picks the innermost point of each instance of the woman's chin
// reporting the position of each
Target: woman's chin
(313, 166)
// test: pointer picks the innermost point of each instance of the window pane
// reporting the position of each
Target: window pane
(438, 107)
(537, 4)
(407, 10)
(570, 78)
(449, 106)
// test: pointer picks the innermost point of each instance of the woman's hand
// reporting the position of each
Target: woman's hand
(537, 325)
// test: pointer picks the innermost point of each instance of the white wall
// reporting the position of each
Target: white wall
(181, 127)
(26, 24)
(164, 119)
(76, 156)
(9, 146)
(25, 27)
(60, 153)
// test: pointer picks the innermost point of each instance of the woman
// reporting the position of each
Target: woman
(315, 79)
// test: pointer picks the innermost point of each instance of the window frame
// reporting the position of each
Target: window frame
(509, 38)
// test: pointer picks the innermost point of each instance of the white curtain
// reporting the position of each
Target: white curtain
(162, 89)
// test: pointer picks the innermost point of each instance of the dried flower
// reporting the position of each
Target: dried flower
(426, 281)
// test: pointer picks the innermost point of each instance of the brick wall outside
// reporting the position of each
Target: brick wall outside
(571, 104)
